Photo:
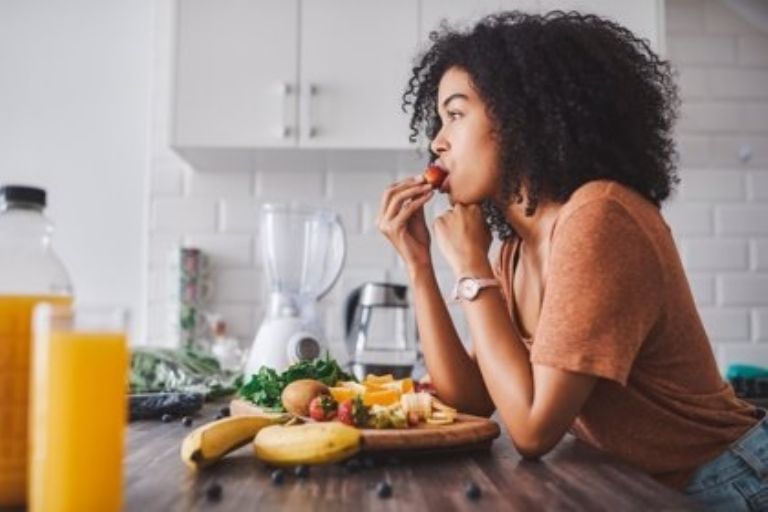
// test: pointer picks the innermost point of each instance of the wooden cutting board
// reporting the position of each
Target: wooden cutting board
(466, 433)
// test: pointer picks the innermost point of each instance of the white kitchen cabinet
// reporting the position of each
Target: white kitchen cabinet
(236, 73)
(643, 17)
(291, 73)
(355, 63)
(255, 74)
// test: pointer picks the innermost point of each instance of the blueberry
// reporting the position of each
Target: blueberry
(186, 421)
(472, 491)
(224, 411)
(213, 492)
(301, 471)
(219, 416)
(166, 418)
(278, 476)
(369, 462)
(384, 490)
(353, 465)
(393, 461)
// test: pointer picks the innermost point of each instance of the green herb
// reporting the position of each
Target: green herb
(185, 370)
(265, 387)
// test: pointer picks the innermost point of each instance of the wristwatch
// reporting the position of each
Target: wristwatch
(467, 288)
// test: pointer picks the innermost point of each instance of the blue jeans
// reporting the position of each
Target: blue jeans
(738, 479)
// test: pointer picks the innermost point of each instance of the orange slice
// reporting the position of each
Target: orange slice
(341, 394)
(383, 397)
(378, 379)
(403, 385)
(350, 384)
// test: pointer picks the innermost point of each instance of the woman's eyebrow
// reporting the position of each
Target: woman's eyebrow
(454, 96)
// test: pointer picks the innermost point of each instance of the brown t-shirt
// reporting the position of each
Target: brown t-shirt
(617, 305)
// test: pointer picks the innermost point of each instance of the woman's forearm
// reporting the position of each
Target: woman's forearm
(454, 374)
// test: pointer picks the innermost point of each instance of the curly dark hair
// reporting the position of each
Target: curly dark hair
(573, 98)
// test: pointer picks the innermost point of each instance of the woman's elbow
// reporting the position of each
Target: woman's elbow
(532, 447)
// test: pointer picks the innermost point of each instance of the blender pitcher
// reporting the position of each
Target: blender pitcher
(303, 251)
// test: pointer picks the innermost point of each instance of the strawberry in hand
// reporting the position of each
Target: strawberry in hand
(435, 176)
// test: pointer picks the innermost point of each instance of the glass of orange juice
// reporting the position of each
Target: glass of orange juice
(78, 408)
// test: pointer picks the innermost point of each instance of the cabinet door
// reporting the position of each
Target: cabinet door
(236, 74)
(463, 14)
(355, 60)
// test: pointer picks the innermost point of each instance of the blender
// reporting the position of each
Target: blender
(303, 251)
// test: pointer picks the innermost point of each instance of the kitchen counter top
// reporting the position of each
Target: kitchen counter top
(572, 477)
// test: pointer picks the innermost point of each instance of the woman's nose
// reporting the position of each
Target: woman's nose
(439, 144)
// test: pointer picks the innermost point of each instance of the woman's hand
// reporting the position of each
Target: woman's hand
(401, 219)
(464, 239)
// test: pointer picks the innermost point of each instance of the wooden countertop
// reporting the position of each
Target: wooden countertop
(571, 477)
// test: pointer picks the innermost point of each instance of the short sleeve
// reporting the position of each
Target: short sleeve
(602, 295)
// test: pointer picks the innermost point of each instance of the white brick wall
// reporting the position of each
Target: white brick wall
(719, 215)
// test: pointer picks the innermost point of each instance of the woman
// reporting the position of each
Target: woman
(555, 131)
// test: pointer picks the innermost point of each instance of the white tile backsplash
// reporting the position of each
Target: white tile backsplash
(719, 216)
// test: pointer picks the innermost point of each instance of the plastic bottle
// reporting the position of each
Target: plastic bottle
(30, 273)
(225, 348)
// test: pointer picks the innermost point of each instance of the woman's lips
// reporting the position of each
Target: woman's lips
(445, 186)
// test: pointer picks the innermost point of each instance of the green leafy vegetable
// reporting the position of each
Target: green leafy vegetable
(184, 370)
(265, 387)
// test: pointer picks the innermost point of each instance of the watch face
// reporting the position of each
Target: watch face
(469, 288)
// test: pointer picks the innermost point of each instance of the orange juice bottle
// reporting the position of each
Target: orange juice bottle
(79, 409)
(30, 273)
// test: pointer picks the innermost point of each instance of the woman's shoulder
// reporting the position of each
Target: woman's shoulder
(602, 200)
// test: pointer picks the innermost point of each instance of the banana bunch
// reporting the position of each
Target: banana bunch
(208, 443)
(310, 443)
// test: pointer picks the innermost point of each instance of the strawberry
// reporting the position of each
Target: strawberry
(435, 176)
(322, 408)
(352, 412)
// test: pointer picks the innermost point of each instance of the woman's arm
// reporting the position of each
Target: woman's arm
(537, 403)
(453, 372)
(455, 376)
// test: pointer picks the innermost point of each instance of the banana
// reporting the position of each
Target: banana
(208, 443)
(310, 443)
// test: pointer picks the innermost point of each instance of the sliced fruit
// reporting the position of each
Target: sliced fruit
(350, 384)
(442, 415)
(417, 403)
(311, 443)
(208, 443)
(383, 397)
(378, 379)
(341, 393)
(440, 406)
(403, 385)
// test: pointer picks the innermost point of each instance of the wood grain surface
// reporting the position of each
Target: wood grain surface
(571, 477)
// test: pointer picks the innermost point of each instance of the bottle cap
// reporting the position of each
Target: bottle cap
(22, 194)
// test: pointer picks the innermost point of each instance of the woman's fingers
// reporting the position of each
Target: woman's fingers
(395, 188)
(400, 198)
(413, 206)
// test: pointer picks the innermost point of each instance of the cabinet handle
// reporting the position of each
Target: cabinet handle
(285, 92)
(311, 92)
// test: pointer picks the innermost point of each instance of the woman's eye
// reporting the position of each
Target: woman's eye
(454, 115)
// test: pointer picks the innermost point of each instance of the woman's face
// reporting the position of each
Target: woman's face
(466, 144)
